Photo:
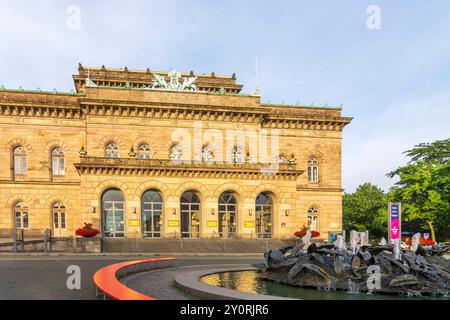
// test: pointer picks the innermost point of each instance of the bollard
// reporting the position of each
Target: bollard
(22, 239)
(45, 241)
(15, 238)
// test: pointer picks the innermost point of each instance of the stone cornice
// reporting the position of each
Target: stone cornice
(169, 168)
(181, 111)
(41, 182)
(306, 122)
(47, 105)
(44, 111)
(321, 189)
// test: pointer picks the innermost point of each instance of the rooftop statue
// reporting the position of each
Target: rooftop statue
(174, 82)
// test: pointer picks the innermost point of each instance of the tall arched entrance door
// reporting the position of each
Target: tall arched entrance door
(227, 215)
(190, 214)
(113, 208)
(151, 206)
(264, 213)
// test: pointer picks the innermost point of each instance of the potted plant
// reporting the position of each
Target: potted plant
(423, 242)
(87, 230)
(302, 232)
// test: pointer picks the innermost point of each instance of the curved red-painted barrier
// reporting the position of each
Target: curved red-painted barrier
(106, 281)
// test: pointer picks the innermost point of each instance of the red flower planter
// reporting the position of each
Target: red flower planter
(423, 242)
(302, 233)
(87, 231)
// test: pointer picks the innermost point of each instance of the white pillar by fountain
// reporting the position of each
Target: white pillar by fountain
(415, 242)
(306, 240)
(397, 250)
(354, 239)
(340, 243)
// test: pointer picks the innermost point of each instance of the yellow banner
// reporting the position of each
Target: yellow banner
(173, 223)
(133, 223)
(249, 224)
(212, 224)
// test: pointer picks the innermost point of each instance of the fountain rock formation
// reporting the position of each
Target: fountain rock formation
(360, 268)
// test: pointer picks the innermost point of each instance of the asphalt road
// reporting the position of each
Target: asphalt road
(44, 277)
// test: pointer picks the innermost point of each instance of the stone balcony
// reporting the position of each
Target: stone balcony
(167, 168)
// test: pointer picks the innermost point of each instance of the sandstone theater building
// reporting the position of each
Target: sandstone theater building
(117, 152)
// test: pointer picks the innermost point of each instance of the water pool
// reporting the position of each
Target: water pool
(250, 282)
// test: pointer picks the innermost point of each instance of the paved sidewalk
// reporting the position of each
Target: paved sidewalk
(160, 284)
(44, 277)
(143, 254)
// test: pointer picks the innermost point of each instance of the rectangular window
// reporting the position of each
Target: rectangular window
(313, 174)
(58, 166)
(25, 220)
(313, 222)
(22, 220)
(55, 220)
(63, 220)
(18, 220)
(20, 164)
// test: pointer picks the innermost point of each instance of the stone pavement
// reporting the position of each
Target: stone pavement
(160, 283)
(44, 277)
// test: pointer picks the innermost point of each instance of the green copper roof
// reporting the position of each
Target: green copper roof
(54, 91)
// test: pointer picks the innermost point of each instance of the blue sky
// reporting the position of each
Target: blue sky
(395, 81)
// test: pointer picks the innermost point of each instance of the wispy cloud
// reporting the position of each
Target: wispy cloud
(393, 81)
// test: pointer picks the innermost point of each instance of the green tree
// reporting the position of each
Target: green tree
(424, 187)
(366, 209)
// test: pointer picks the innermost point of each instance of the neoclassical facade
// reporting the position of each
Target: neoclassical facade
(145, 154)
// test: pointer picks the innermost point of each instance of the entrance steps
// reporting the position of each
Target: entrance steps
(191, 245)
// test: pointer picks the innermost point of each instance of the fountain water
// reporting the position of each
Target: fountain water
(360, 267)
(352, 288)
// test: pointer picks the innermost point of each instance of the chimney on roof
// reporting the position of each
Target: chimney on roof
(103, 67)
(233, 76)
(191, 74)
(213, 75)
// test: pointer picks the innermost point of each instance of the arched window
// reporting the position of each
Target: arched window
(264, 212)
(190, 214)
(59, 219)
(227, 215)
(144, 151)
(313, 218)
(152, 210)
(207, 155)
(113, 209)
(313, 170)
(111, 150)
(237, 155)
(58, 162)
(21, 215)
(20, 160)
(176, 152)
